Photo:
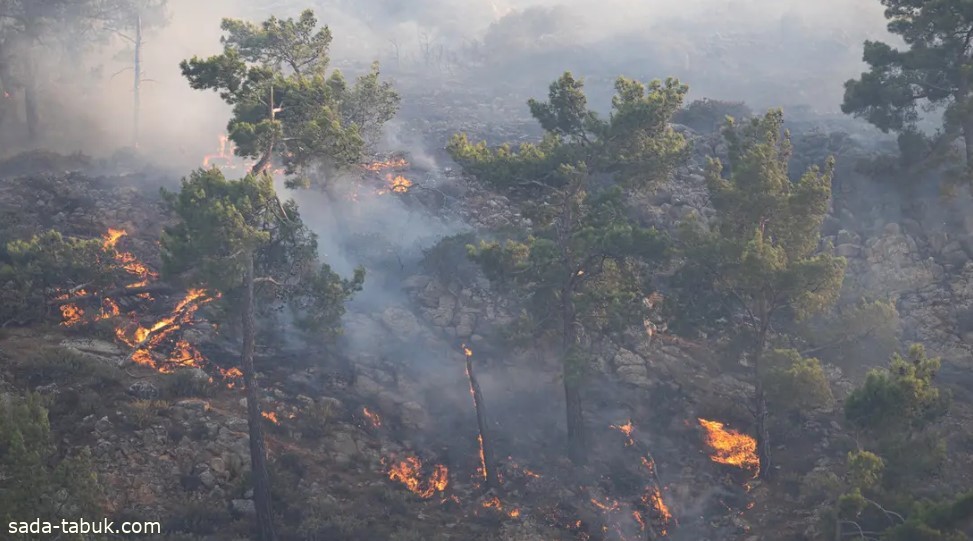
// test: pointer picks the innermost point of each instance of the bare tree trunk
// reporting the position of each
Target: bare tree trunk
(486, 443)
(137, 83)
(763, 433)
(577, 444)
(30, 101)
(258, 451)
(968, 141)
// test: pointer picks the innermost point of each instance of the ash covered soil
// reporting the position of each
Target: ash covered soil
(377, 438)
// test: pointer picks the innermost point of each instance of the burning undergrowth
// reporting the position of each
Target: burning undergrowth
(155, 341)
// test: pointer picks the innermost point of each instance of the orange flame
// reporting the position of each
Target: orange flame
(144, 339)
(626, 429)
(653, 498)
(395, 163)
(483, 467)
(730, 447)
(227, 154)
(372, 417)
(610, 506)
(407, 472)
(125, 259)
(270, 416)
(495, 503)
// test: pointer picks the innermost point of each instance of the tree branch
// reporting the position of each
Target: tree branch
(118, 292)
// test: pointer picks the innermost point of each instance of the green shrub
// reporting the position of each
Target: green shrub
(316, 419)
(146, 412)
(185, 384)
(37, 480)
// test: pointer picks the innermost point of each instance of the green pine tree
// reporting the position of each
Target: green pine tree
(237, 237)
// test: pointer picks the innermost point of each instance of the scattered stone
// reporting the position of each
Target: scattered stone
(143, 390)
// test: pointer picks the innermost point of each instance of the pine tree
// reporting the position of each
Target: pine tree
(238, 238)
(761, 257)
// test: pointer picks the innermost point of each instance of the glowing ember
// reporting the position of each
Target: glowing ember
(649, 465)
(606, 507)
(372, 417)
(493, 502)
(626, 429)
(482, 470)
(729, 446)
(270, 416)
(408, 471)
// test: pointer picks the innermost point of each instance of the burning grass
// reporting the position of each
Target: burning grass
(159, 345)
(409, 473)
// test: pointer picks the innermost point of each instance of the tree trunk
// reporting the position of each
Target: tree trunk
(763, 433)
(760, 401)
(577, 446)
(486, 444)
(30, 106)
(137, 83)
(258, 452)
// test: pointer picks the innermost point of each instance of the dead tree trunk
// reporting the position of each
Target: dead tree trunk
(137, 83)
(258, 451)
(486, 444)
(30, 103)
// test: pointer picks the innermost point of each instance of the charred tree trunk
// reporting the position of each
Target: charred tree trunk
(258, 452)
(577, 444)
(486, 443)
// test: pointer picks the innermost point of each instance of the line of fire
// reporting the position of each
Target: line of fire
(495, 486)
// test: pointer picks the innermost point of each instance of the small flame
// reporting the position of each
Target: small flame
(396, 163)
(730, 447)
(407, 472)
(270, 416)
(483, 467)
(372, 417)
(495, 503)
(653, 498)
(606, 507)
(399, 184)
(626, 429)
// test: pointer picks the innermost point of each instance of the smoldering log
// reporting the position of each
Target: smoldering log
(486, 444)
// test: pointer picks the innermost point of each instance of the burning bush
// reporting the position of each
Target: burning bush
(30, 270)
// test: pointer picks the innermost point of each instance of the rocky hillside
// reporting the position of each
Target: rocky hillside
(344, 424)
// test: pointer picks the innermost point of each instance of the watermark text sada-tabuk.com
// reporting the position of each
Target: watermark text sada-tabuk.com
(82, 526)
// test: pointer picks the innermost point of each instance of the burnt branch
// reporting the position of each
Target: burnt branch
(118, 292)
